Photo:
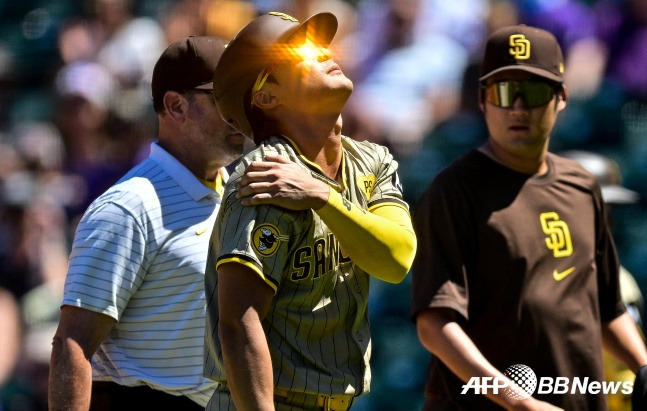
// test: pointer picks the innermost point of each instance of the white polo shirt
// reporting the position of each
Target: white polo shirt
(139, 256)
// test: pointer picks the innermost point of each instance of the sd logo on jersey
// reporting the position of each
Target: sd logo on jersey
(266, 239)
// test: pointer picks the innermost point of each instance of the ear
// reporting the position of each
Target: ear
(562, 97)
(265, 100)
(175, 104)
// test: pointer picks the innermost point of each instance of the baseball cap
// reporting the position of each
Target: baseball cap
(524, 48)
(186, 64)
(607, 172)
(256, 47)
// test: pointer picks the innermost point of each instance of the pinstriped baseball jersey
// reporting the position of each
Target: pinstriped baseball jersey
(139, 256)
(317, 328)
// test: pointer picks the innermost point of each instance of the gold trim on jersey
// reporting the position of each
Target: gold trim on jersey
(388, 201)
(389, 204)
(249, 265)
(218, 185)
(341, 185)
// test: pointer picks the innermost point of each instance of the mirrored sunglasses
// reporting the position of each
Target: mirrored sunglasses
(534, 93)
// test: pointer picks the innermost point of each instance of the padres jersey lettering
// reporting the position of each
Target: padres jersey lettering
(306, 260)
(319, 315)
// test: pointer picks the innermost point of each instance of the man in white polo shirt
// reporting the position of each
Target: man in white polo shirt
(132, 318)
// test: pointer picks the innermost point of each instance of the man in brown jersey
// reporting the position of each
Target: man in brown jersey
(516, 290)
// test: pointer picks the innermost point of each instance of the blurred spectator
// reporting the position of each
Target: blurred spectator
(76, 41)
(130, 45)
(10, 338)
(15, 391)
(183, 18)
(224, 18)
(409, 90)
(85, 91)
(623, 27)
(608, 174)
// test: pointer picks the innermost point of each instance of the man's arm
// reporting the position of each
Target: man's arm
(382, 241)
(243, 301)
(79, 334)
(621, 338)
(441, 335)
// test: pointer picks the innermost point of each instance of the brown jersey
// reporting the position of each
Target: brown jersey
(529, 264)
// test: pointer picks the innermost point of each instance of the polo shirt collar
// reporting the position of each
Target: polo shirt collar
(182, 176)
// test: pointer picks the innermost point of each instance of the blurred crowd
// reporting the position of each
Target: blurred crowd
(76, 113)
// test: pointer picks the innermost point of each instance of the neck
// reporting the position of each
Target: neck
(319, 140)
(195, 160)
(534, 164)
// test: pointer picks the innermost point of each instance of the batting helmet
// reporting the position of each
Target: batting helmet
(607, 172)
(254, 49)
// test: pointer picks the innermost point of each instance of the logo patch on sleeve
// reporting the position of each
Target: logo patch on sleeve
(366, 184)
(266, 239)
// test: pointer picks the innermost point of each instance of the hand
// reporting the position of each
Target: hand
(281, 182)
(639, 396)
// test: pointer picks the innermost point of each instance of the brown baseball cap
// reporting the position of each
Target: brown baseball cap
(253, 50)
(524, 48)
(186, 64)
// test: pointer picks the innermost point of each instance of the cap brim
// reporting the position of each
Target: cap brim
(320, 28)
(534, 70)
(614, 194)
(208, 86)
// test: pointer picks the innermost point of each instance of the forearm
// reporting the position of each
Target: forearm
(248, 365)
(381, 242)
(447, 340)
(70, 377)
(621, 338)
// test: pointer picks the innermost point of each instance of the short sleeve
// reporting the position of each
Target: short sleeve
(439, 269)
(260, 237)
(107, 264)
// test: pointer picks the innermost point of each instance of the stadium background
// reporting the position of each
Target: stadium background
(75, 114)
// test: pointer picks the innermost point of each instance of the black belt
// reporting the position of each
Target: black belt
(110, 396)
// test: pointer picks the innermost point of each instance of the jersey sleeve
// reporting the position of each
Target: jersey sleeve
(388, 187)
(259, 237)
(441, 223)
(607, 261)
(107, 261)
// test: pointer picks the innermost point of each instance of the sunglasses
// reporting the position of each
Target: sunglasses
(534, 93)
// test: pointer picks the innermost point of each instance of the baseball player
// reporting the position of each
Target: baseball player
(299, 234)
(519, 269)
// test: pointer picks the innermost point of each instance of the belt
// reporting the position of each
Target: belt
(341, 403)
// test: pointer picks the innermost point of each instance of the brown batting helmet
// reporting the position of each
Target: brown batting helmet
(256, 47)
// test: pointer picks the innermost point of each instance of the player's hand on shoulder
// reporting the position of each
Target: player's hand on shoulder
(281, 182)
